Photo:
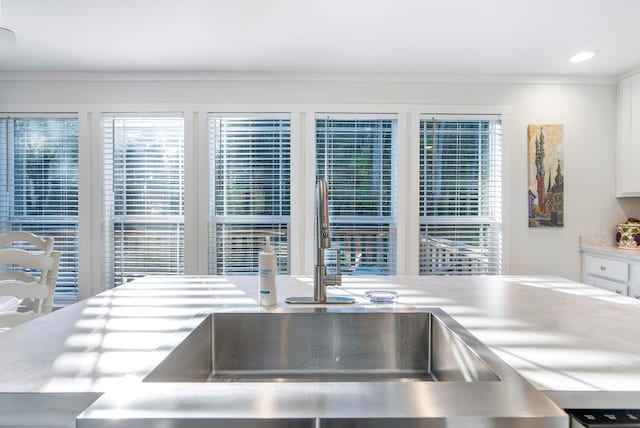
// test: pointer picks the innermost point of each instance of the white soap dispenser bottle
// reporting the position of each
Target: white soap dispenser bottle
(267, 269)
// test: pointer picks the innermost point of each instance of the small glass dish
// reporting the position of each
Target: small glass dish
(381, 296)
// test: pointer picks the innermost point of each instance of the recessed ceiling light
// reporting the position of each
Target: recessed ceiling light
(7, 37)
(582, 56)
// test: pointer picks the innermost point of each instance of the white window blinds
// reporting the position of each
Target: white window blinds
(144, 196)
(460, 196)
(39, 182)
(249, 185)
(357, 158)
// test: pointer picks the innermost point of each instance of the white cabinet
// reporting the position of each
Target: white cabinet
(628, 138)
(612, 269)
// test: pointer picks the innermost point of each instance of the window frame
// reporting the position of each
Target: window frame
(357, 220)
(494, 223)
(302, 167)
(69, 293)
(110, 217)
(216, 220)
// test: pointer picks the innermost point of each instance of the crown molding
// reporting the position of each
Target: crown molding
(629, 73)
(154, 76)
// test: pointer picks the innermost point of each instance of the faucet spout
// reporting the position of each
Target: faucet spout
(322, 241)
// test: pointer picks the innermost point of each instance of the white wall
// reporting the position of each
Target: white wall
(586, 108)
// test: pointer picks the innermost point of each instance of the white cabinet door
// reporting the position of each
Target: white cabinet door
(628, 139)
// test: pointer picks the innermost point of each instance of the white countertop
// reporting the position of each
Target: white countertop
(576, 343)
(631, 255)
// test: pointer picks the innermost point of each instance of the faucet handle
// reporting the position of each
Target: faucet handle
(335, 279)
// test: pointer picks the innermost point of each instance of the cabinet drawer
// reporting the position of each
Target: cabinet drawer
(605, 268)
(606, 284)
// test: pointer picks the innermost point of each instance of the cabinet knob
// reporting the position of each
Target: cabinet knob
(637, 296)
(603, 268)
(619, 291)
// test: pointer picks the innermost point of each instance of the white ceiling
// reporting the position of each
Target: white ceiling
(410, 36)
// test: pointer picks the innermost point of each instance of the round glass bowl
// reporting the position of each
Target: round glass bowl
(381, 296)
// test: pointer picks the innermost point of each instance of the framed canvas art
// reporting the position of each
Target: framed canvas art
(546, 179)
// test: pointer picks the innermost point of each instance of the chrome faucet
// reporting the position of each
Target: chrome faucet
(322, 241)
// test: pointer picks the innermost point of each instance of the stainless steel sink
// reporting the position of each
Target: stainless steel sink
(319, 346)
(329, 367)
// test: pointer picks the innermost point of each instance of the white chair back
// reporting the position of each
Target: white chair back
(11, 239)
(28, 281)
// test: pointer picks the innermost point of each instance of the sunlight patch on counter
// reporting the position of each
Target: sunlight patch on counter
(135, 341)
(508, 338)
(76, 363)
(485, 322)
(125, 324)
(179, 301)
(140, 312)
(172, 292)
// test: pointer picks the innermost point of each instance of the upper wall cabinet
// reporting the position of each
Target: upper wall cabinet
(628, 141)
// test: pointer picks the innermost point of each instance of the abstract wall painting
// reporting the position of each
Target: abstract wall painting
(546, 180)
